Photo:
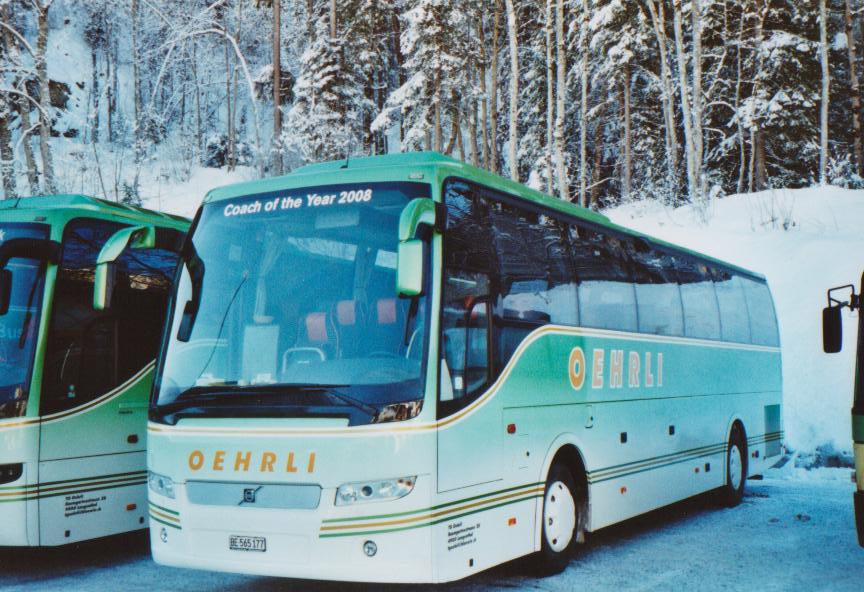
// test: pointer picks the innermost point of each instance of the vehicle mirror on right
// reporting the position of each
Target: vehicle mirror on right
(832, 329)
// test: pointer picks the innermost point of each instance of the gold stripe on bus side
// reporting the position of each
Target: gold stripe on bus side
(157, 513)
(431, 515)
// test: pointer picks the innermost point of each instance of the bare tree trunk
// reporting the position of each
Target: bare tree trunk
(136, 82)
(472, 130)
(854, 89)
(512, 33)
(697, 112)
(94, 97)
(687, 114)
(44, 97)
(658, 20)
(229, 132)
(627, 172)
(826, 83)
(583, 107)
(484, 102)
(110, 81)
(596, 169)
(742, 165)
(437, 132)
(277, 87)
(550, 96)
(7, 158)
(561, 109)
(496, 20)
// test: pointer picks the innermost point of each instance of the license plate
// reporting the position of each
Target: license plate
(247, 543)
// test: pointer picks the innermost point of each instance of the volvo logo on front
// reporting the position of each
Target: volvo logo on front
(249, 495)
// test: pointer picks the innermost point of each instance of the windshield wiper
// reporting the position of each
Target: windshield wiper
(227, 393)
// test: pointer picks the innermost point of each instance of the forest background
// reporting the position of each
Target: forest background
(600, 102)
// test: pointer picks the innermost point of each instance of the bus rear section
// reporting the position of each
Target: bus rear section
(408, 370)
(75, 379)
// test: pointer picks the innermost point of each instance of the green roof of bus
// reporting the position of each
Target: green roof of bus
(91, 204)
(401, 164)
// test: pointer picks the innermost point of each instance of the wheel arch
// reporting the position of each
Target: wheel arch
(567, 450)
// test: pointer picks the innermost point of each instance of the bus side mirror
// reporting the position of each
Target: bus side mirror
(832, 329)
(134, 237)
(5, 290)
(409, 269)
(410, 254)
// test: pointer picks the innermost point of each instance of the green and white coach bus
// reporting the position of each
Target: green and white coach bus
(406, 369)
(75, 375)
(832, 342)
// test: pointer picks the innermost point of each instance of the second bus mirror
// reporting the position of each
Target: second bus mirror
(5, 290)
(133, 237)
(409, 268)
(832, 330)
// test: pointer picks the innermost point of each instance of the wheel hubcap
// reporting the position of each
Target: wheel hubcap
(559, 516)
(735, 467)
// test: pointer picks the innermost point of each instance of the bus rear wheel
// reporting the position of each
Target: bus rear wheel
(560, 520)
(732, 492)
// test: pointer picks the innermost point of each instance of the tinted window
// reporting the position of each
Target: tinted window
(763, 322)
(534, 276)
(607, 299)
(469, 270)
(734, 322)
(701, 314)
(90, 352)
(658, 297)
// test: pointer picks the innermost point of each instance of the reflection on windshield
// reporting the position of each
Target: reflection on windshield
(299, 289)
(19, 326)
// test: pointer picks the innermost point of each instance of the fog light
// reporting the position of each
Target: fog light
(370, 548)
(163, 535)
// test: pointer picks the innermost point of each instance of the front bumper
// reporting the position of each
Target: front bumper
(194, 536)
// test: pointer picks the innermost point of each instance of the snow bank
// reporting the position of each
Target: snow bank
(804, 241)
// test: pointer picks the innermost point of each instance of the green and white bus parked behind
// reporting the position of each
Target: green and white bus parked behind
(75, 375)
(832, 342)
(406, 369)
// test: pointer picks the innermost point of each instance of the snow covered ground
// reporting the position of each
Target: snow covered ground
(804, 241)
(786, 535)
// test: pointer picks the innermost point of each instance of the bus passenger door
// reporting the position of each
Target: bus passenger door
(97, 376)
(470, 432)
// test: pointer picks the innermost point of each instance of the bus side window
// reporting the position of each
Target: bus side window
(607, 299)
(763, 321)
(534, 279)
(734, 322)
(658, 298)
(469, 264)
(701, 312)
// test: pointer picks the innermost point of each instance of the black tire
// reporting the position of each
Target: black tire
(732, 491)
(560, 516)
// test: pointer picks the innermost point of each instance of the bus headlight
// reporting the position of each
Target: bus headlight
(374, 491)
(162, 485)
(399, 411)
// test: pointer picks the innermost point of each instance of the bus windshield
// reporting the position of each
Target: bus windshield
(297, 313)
(19, 327)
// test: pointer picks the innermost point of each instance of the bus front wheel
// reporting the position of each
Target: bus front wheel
(732, 492)
(560, 520)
